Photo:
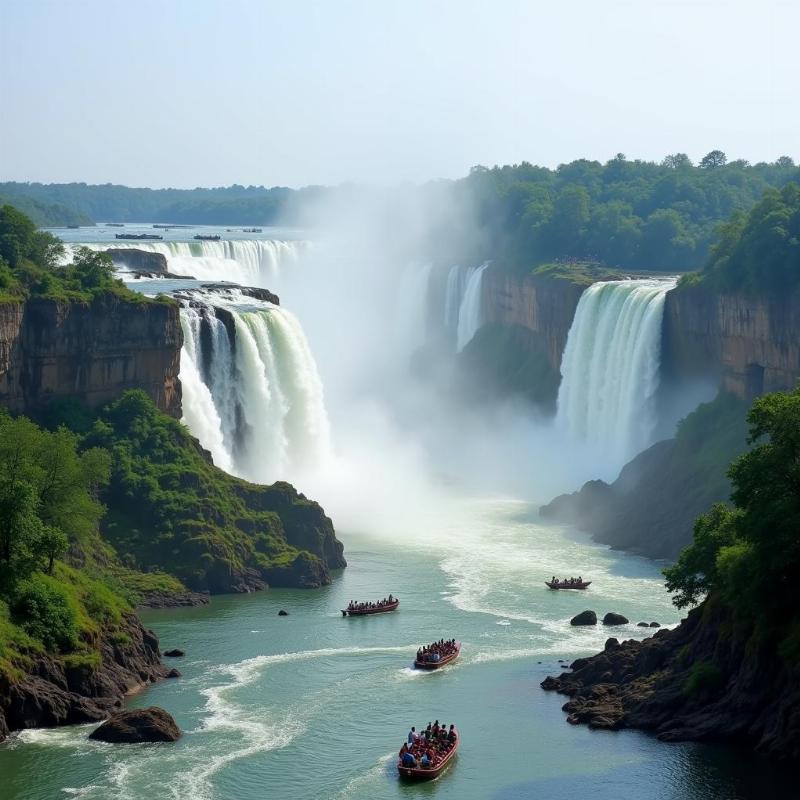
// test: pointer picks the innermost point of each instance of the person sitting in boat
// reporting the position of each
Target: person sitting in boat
(425, 761)
(408, 760)
(452, 735)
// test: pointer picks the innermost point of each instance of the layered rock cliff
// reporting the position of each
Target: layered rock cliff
(542, 305)
(50, 692)
(92, 351)
(750, 344)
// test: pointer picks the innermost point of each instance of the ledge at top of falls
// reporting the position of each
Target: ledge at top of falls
(192, 295)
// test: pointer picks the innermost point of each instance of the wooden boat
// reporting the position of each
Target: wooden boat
(363, 612)
(441, 663)
(567, 584)
(423, 774)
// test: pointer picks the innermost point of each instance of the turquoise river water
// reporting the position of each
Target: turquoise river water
(314, 705)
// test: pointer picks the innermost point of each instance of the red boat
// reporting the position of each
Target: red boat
(429, 773)
(567, 584)
(442, 662)
(363, 612)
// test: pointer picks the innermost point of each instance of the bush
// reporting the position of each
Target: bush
(703, 677)
(44, 610)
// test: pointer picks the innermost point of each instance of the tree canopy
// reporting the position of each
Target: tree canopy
(749, 554)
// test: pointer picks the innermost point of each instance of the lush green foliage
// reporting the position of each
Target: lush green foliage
(48, 503)
(703, 677)
(171, 510)
(633, 214)
(29, 265)
(749, 555)
(760, 252)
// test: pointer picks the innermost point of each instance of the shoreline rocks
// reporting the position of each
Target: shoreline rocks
(587, 617)
(655, 685)
(614, 619)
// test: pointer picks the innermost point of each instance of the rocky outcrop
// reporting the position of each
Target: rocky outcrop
(51, 349)
(587, 617)
(131, 258)
(306, 528)
(138, 725)
(705, 680)
(612, 618)
(651, 508)
(164, 599)
(51, 693)
(750, 344)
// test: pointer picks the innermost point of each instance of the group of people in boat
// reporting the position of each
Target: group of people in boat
(429, 748)
(356, 606)
(567, 581)
(437, 651)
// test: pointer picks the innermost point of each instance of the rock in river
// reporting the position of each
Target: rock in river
(176, 653)
(584, 618)
(614, 619)
(138, 725)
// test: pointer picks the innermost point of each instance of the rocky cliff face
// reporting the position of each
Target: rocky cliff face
(93, 351)
(706, 680)
(544, 306)
(138, 260)
(50, 694)
(750, 344)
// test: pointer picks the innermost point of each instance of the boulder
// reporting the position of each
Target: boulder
(138, 725)
(614, 619)
(283, 613)
(174, 673)
(642, 625)
(175, 653)
(584, 618)
(655, 624)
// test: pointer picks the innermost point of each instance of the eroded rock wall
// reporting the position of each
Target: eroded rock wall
(93, 351)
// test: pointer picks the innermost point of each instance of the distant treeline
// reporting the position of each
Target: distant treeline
(45, 215)
(231, 205)
(629, 214)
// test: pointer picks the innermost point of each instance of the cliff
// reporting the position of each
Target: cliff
(50, 691)
(750, 344)
(709, 679)
(93, 351)
(542, 305)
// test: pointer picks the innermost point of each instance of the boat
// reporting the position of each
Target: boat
(138, 236)
(251, 230)
(364, 612)
(442, 662)
(207, 238)
(115, 224)
(429, 773)
(567, 584)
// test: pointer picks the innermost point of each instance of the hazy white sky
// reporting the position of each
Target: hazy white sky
(213, 92)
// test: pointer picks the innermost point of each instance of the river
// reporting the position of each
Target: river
(314, 705)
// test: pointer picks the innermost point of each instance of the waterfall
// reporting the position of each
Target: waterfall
(413, 298)
(457, 280)
(610, 366)
(251, 390)
(250, 262)
(470, 312)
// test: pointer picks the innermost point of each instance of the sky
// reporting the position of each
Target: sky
(212, 92)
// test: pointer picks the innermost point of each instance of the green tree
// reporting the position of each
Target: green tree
(714, 159)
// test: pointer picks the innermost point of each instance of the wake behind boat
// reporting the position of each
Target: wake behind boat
(427, 755)
(438, 654)
(355, 609)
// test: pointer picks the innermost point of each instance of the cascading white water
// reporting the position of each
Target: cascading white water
(250, 262)
(470, 312)
(412, 307)
(610, 366)
(457, 280)
(252, 392)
